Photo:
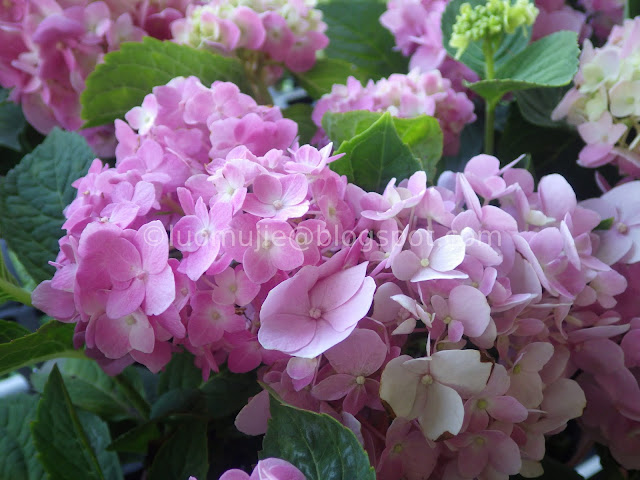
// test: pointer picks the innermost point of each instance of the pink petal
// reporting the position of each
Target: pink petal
(160, 291)
(362, 353)
(267, 189)
(285, 332)
(153, 244)
(347, 315)
(443, 412)
(405, 265)
(123, 302)
(447, 253)
(507, 409)
(334, 387)
(469, 306)
(336, 289)
(185, 233)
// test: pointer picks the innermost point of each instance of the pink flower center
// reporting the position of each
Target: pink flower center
(397, 448)
(315, 313)
(233, 288)
(622, 228)
(447, 319)
(517, 369)
(215, 315)
(267, 244)
(278, 204)
(480, 441)
(360, 380)
(130, 320)
(482, 404)
(424, 262)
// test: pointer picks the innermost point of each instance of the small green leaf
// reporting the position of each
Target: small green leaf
(552, 61)
(12, 123)
(605, 224)
(16, 414)
(357, 37)
(89, 388)
(11, 330)
(184, 454)
(319, 446)
(176, 401)
(375, 156)
(473, 57)
(536, 105)
(327, 72)
(631, 8)
(128, 74)
(33, 196)
(180, 373)
(80, 440)
(301, 114)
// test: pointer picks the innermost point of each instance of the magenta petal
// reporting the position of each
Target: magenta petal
(257, 265)
(355, 400)
(185, 232)
(294, 189)
(362, 353)
(123, 302)
(267, 188)
(194, 264)
(469, 306)
(507, 409)
(153, 243)
(347, 315)
(334, 387)
(124, 260)
(336, 289)
(286, 332)
(160, 291)
(325, 337)
(141, 336)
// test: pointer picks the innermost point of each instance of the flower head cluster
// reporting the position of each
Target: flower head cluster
(483, 313)
(200, 234)
(490, 21)
(415, 25)
(403, 96)
(50, 47)
(267, 469)
(604, 102)
(276, 30)
(444, 325)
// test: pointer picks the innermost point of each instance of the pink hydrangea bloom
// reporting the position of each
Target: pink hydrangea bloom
(403, 96)
(267, 469)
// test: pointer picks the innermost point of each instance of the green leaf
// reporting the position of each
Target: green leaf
(137, 439)
(11, 330)
(301, 114)
(631, 8)
(80, 440)
(33, 195)
(327, 72)
(12, 123)
(552, 61)
(536, 105)
(183, 454)
(319, 446)
(375, 156)
(128, 74)
(471, 141)
(180, 373)
(226, 393)
(176, 401)
(52, 340)
(473, 57)
(9, 288)
(89, 388)
(16, 414)
(357, 37)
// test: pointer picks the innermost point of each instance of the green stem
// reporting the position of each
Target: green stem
(490, 110)
(15, 292)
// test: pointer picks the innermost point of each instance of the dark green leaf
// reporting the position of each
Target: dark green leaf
(301, 114)
(537, 104)
(375, 156)
(183, 454)
(319, 446)
(137, 439)
(52, 340)
(471, 141)
(180, 373)
(357, 37)
(176, 401)
(128, 74)
(551, 61)
(79, 447)
(631, 8)
(12, 123)
(473, 56)
(326, 73)
(226, 393)
(11, 330)
(33, 195)
(16, 414)
(90, 388)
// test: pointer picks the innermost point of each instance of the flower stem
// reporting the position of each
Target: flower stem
(490, 110)
(15, 292)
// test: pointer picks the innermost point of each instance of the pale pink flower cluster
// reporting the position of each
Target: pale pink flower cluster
(283, 31)
(415, 24)
(404, 96)
(467, 307)
(49, 47)
(482, 315)
(604, 102)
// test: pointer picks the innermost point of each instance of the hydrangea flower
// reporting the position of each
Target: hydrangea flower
(604, 102)
(403, 96)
